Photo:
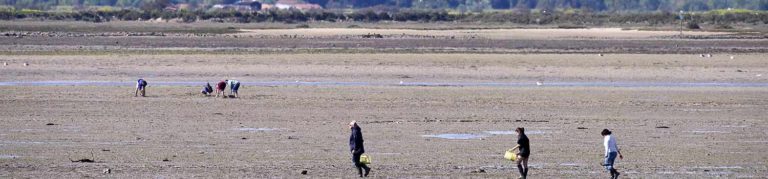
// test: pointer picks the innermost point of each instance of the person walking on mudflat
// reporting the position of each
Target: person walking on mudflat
(611, 150)
(525, 151)
(357, 149)
(141, 86)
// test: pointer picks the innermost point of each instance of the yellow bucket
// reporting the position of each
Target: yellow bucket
(365, 159)
(510, 155)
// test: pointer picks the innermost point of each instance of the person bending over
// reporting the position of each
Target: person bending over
(234, 85)
(220, 88)
(207, 89)
(141, 87)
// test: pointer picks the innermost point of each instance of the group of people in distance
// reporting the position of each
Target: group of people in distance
(234, 85)
(523, 147)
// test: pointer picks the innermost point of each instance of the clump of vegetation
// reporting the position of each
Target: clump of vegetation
(571, 18)
(693, 25)
(569, 26)
(723, 26)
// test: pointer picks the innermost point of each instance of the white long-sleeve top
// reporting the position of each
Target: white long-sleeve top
(610, 144)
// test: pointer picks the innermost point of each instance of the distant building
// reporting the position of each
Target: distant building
(176, 7)
(243, 5)
(291, 4)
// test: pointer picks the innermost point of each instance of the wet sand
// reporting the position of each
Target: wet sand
(280, 131)
(389, 68)
(594, 33)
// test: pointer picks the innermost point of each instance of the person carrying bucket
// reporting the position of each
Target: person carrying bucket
(357, 149)
(525, 152)
(611, 150)
(141, 86)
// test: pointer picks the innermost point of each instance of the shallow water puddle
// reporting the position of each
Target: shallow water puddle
(250, 129)
(340, 83)
(672, 172)
(501, 132)
(47, 129)
(741, 126)
(702, 132)
(26, 130)
(455, 136)
(711, 173)
(570, 164)
(478, 136)
(717, 167)
(533, 132)
(8, 156)
(64, 143)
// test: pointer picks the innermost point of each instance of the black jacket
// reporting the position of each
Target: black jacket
(208, 88)
(356, 140)
(525, 147)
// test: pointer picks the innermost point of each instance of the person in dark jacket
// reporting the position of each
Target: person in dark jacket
(357, 149)
(141, 87)
(525, 152)
(207, 89)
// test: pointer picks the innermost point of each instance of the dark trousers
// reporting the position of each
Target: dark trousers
(358, 165)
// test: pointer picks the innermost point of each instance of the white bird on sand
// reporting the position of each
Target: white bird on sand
(26, 64)
(732, 57)
(401, 82)
(600, 54)
(539, 83)
(701, 55)
(5, 63)
(709, 55)
(759, 75)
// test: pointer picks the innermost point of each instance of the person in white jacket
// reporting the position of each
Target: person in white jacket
(611, 150)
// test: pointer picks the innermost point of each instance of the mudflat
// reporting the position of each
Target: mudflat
(282, 130)
(695, 107)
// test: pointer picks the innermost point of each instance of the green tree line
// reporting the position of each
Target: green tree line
(721, 18)
(461, 5)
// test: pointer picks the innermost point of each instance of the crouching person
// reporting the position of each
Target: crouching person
(207, 89)
(234, 85)
(141, 86)
(220, 88)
